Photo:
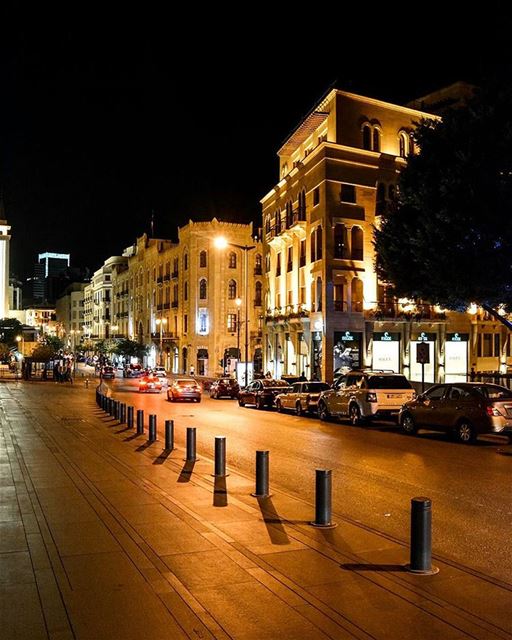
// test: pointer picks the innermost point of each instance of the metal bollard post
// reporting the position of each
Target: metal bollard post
(421, 537)
(116, 409)
(220, 457)
(97, 396)
(169, 435)
(262, 465)
(191, 445)
(140, 421)
(103, 401)
(122, 417)
(129, 420)
(152, 427)
(323, 499)
(111, 406)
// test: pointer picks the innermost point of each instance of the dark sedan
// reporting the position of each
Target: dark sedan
(261, 393)
(224, 388)
(463, 410)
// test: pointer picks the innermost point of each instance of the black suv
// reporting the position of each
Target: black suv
(224, 387)
(262, 393)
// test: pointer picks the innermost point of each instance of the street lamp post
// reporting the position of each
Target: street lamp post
(221, 243)
(238, 303)
(160, 322)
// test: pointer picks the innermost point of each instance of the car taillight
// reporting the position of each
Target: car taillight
(492, 411)
(371, 397)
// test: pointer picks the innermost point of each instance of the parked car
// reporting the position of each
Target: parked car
(184, 389)
(160, 372)
(301, 397)
(150, 383)
(364, 395)
(108, 372)
(224, 387)
(261, 393)
(463, 410)
(133, 371)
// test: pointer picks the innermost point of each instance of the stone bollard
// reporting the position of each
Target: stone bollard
(323, 499)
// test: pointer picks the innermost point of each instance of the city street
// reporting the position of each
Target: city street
(376, 471)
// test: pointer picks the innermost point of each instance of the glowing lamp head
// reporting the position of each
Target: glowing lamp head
(238, 302)
(220, 242)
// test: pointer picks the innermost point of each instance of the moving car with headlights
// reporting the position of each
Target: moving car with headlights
(363, 395)
(150, 384)
(184, 389)
(261, 393)
(463, 410)
(301, 397)
(108, 372)
(224, 388)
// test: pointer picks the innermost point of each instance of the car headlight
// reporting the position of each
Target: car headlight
(371, 396)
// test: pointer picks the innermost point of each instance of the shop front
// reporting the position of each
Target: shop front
(346, 351)
(386, 351)
(456, 357)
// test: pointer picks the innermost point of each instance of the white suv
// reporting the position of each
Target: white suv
(161, 373)
(363, 395)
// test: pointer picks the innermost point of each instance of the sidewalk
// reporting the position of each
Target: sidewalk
(105, 536)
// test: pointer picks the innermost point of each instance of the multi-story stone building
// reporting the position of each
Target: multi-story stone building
(70, 314)
(183, 297)
(325, 308)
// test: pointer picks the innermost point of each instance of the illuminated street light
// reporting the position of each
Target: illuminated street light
(160, 322)
(221, 243)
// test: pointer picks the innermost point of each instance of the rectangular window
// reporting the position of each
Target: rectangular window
(278, 265)
(231, 322)
(185, 324)
(338, 297)
(348, 193)
(487, 345)
(302, 260)
(203, 322)
(341, 242)
(303, 295)
(289, 298)
(316, 196)
(496, 345)
(278, 300)
(290, 259)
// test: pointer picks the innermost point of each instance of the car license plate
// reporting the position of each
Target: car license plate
(395, 396)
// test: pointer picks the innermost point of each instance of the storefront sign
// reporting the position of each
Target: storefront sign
(386, 336)
(457, 337)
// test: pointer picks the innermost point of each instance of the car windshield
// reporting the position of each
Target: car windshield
(388, 382)
(494, 392)
(186, 383)
(316, 387)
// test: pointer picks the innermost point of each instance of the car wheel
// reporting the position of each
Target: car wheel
(259, 403)
(408, 425)
(298, 409)
(323, 412)
(466, 432)
(170, 397)
(354, 414)
(279, 406)
(198, 399)
(241, 403)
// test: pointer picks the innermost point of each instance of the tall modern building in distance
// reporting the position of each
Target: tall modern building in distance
(4, 267)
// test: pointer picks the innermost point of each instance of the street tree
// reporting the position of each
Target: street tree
(10, 328)
(53, 342)
(448, 236)
(131, 349)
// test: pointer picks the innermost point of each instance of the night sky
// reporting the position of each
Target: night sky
(100, 126)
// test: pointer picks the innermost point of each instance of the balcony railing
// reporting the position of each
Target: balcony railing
(405, 312)
(166, 335)
(174, 274)
(258, 271)
(289, 312)
(167, 305)
(174, 304)
(167, 277)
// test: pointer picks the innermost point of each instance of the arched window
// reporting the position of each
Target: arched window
(367, 137)
(185, 291)
(403, 146)
(357, 295)
(232, 260)
(376, 139)
(202, 259)
(202, 289)
(185, 262)
(302, 205)
(357, 243)
(319, 243)
(232, 290)
(257, 294)
(278, 221)
(257, 264)
(289, 214)
(341, 242)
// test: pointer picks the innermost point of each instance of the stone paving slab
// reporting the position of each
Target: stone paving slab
(102, 536)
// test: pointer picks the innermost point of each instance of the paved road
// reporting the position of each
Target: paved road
(376, 470)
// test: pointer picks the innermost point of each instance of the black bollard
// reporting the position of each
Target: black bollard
(122, 413)
(116, 409)
(140, 421)
(262, 466)
(191, 444)
(323, 499)
(111, 406)
(220, 457)
(97, 397)
(104, 402)
(129, 419)
(152, 427)
(421, 537)
(169, 435)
